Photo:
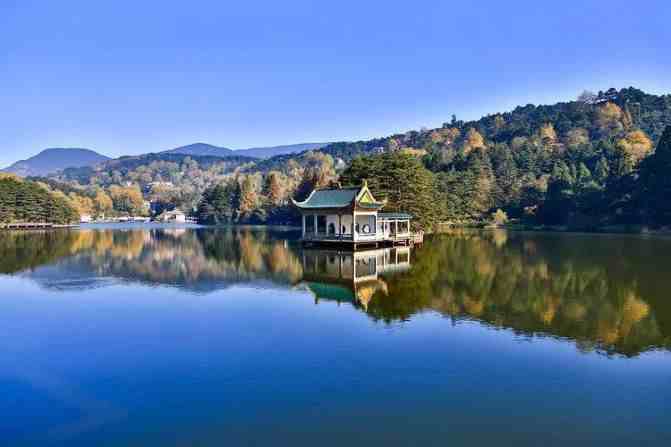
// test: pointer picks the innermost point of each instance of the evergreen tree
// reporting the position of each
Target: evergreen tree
(655, 189)
(403, 181)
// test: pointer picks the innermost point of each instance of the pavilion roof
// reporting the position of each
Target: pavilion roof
(339, 198)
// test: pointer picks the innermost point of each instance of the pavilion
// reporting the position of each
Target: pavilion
(351, 216)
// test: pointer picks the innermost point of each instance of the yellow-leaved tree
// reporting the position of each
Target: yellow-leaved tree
(473, 140)
(635, 146)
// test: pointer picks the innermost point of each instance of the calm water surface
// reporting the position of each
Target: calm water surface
(181, 337)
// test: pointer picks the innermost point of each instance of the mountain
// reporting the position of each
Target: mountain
(272, 151)
(202, 149)
(55, 159)
(205, 149)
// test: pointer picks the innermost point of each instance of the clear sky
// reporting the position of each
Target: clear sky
(126, 77)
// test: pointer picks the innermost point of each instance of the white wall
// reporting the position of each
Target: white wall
(347, 223)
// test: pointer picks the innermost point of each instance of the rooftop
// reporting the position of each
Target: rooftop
(340, 198)
(330, 198)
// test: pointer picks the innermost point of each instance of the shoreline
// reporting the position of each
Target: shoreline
(632, 229)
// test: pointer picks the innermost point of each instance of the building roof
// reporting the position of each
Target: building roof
(329, 198)
(339, 198)
(391, 216)
(333, 292)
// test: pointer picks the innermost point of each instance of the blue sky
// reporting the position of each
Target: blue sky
(127, 77)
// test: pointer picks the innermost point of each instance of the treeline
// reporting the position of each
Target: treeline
(264, 197)
(27, 201)
(167, 181)
(586, 163)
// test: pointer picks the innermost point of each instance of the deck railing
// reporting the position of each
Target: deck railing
(327, 237)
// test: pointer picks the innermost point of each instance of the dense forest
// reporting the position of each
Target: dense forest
(27, 201)
(587, 163)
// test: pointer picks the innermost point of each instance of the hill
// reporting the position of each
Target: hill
(587, 120)
(201, 149)
(55, 159)
(204, 149)
(576, 163)
(272, 151)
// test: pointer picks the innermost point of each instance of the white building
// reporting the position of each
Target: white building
(351, 216)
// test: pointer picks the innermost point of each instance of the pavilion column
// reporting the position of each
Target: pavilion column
(303, 225)
(339, 232)
(354, 232)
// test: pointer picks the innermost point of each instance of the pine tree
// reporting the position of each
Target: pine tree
(656, 182)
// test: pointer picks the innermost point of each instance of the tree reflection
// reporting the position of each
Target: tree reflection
(609, 294)
(541, 284)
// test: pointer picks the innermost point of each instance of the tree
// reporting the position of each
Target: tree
(128, 200)
(248, 196)
(577, 137)
(403, 181)
(655, 182)
(548, 135)
(102, 203)
(584, 177)
(602, 171)
(273, 188)
(480, 184)
(27, 201)
(83, 205)
(472, 141)
(609, 118)
(499, 217)
(634, 146)
(220, 203)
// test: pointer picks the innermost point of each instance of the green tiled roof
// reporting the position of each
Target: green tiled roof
(330, 198)
(333, 292)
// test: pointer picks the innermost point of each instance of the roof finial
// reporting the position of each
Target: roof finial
(365, 183)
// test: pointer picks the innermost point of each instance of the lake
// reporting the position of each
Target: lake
(138, 336)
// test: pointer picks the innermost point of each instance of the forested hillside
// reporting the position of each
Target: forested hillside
(576, 163)
(27, 201)
(586, 163)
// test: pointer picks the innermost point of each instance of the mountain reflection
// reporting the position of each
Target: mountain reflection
(607, 293)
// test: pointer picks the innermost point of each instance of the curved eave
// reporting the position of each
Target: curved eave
(372, 206)
(304, 202)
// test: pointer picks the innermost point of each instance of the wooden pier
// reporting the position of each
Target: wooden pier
(34, 226)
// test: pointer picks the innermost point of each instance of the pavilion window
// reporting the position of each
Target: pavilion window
(321, 224)
(366, 224)
(365, 267)
(309, 224)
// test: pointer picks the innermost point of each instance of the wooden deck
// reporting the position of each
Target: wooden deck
(33, 226)
(363, 240)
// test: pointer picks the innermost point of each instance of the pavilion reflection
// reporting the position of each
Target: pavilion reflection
(608, 294)
(348, 276)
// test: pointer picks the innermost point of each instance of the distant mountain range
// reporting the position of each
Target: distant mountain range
(268, 152)
(55, 159)
(256, 152)
(52, 160)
